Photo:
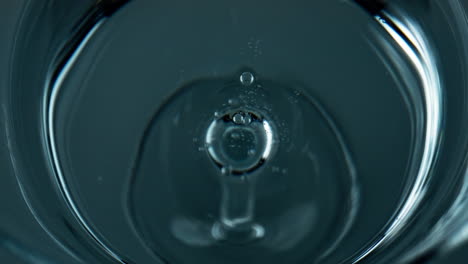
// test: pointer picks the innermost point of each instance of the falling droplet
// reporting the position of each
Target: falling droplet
(247, 78)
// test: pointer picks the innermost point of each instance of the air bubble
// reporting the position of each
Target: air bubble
(242, 118)
(241, 140)
(247, 119)
(238, 118)
(233, 102)
(224, 171)
(247, 78)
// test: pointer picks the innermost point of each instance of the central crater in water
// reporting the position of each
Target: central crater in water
(216, 166)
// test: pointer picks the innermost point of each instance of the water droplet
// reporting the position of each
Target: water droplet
(247, 78)
(240, 140)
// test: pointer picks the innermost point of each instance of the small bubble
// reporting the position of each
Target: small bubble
(247, 119)
(284, 171)
(251, 152)
(201, 149)
(247, 78)
(233, 102)
(176, 119)
(195, 140)
(242, 119)
(235, 135)
(259, 231)
(238, 118)
(225, 171)
(217, 114)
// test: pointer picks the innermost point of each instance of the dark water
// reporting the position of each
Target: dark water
(249, 132)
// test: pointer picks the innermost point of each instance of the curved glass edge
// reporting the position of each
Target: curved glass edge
(47, 43)
(441, 169)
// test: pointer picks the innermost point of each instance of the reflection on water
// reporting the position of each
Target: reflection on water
(26, 254)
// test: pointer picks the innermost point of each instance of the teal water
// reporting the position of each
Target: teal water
(279, 132)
